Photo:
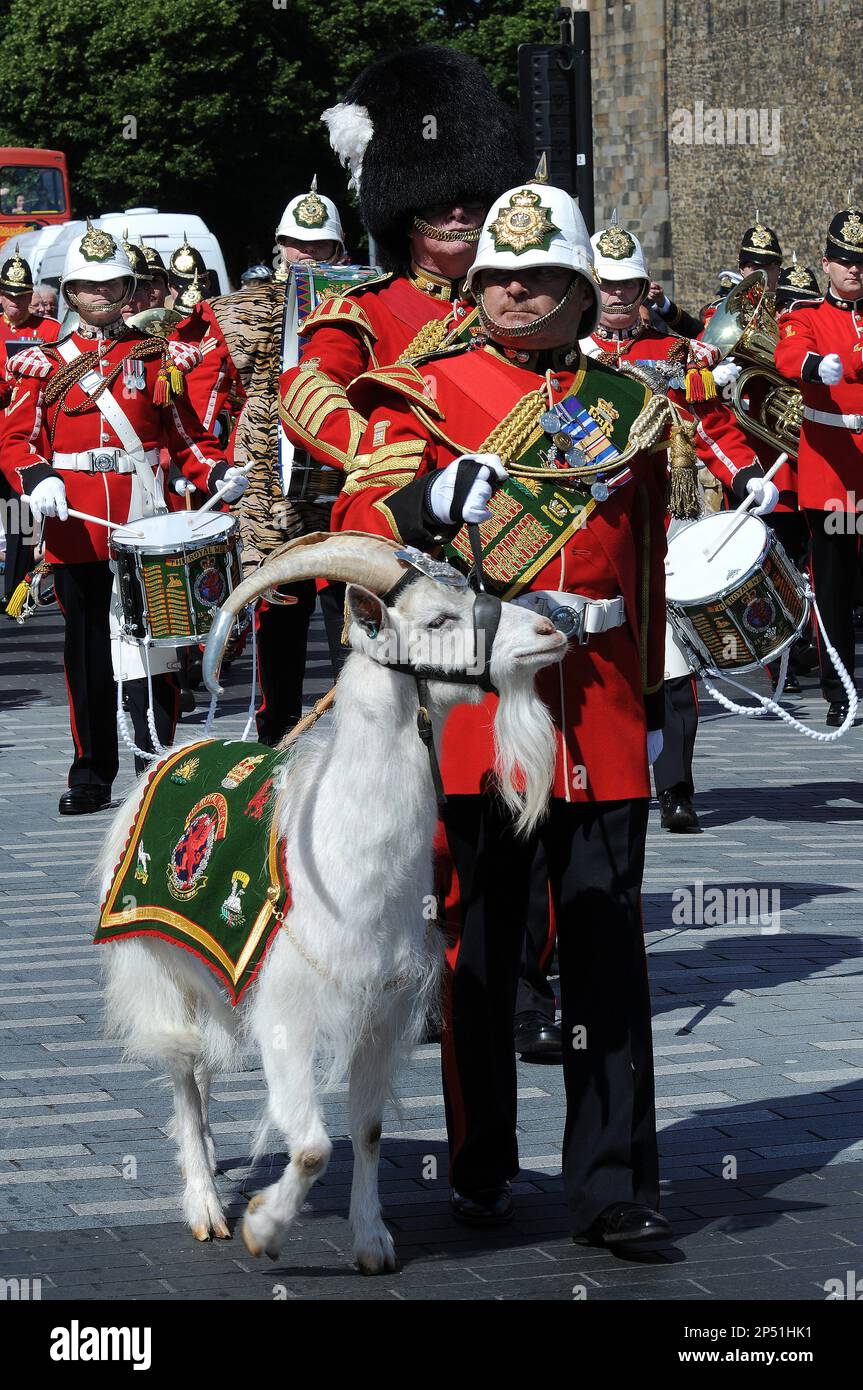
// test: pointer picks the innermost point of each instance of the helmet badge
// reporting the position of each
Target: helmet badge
(524, 225)
(97, 245)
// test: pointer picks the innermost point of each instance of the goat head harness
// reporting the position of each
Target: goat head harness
(486, 619)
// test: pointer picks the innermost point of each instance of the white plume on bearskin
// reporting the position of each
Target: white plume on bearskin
(351, 128)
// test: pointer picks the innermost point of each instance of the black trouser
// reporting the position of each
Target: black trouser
(535, 995)
(793, 534)
(595, 856)
(84, 596)
(834, 574)
(673, 767)
(282, 638)
(332, 600)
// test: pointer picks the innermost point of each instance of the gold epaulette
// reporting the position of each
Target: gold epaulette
(404, 380)
(341, 311)
(390, 466)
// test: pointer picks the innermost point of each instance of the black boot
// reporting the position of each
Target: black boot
(678, 813)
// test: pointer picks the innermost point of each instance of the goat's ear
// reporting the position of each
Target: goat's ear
(366, 609)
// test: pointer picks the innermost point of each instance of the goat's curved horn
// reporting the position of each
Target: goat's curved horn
(348, 556)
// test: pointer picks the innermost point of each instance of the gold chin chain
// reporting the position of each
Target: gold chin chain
(523, 330)
(470, 234)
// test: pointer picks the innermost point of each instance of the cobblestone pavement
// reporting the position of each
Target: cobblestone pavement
(759, 1057)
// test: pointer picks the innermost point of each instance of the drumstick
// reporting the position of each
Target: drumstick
(741, 511)
(214, 501)
(96, 520)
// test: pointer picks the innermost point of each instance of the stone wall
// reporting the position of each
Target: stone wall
(630, 147)
(779, 85)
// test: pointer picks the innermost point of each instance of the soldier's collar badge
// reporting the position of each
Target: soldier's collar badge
(525, 225)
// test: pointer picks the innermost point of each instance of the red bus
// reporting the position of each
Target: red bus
(34, 190)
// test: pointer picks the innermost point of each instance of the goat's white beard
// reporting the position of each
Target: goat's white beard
(524, 743)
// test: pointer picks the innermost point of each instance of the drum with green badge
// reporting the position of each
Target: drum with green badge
(735, 604)
(173, 571)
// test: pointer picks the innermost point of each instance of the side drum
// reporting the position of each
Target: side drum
(738, 609)
(173, 572)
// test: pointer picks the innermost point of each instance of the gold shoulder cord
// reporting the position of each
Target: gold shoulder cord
(429, 338)
(512, 433)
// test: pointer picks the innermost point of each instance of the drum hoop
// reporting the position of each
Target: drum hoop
(131, 547)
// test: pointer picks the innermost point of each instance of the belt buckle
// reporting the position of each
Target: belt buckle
(103, 461)
(572, 622)
(857, 427)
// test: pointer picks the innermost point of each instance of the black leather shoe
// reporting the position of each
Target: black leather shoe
(626, 1223)
(82, 800)
(488, 1206)
(792, 685)
(678, 813)
(188, 702)
(837, 713)
(538, 1036)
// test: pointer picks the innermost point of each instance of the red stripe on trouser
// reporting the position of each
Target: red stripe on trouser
(548, 948)
(446, 877)
(695, 693)
(79, 750)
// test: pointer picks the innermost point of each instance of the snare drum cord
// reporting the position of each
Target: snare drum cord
(253, 699)
(768, 706)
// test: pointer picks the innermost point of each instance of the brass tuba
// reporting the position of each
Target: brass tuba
(744, 327)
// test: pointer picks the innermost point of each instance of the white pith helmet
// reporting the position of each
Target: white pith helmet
(96, 256)
(617, 253)
(537, 225)
(312, 217)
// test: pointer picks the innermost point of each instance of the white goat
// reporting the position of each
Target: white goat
(348, 982)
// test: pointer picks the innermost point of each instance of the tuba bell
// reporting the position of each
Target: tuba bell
(764, 402)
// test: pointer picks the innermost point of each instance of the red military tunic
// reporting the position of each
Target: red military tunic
(33, 434)
(369, 326)
(36, 327)
(210, 384)
(608, 692)
(719, 443)
(830, 461)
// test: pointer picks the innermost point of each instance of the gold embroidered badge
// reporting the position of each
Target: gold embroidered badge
(615, 244)
(97, 246)
(311, 212)
(524, 225)
(852, 228)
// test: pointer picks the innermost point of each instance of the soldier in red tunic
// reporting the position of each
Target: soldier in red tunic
(820, 348)
(83, 430)
(19, 327)
(429, 144)
(624, 335)
(577, 531)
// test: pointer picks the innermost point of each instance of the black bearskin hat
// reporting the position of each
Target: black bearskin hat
(420, 127)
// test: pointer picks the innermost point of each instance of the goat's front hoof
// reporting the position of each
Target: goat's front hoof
(259, 1231)
(375, 1253)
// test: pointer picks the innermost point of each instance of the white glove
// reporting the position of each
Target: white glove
(654, 745)
(183, 485)
(475, 507)
(830, 369)
(726, 372)
(233, 485)
(766, 494)
(48, 498)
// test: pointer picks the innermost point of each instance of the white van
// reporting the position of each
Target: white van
(46, 249)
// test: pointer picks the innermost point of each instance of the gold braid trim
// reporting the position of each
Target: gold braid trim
(509, 437)
(430, 337)
(72, 372)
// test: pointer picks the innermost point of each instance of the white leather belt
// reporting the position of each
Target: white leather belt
(574, 614)
(829, 417)
(102, 461)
